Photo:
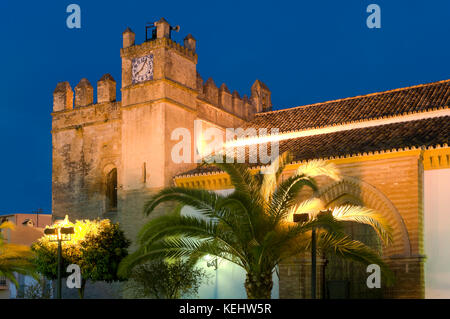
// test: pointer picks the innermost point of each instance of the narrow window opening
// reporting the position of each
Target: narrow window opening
(144, 173)
(111, 190)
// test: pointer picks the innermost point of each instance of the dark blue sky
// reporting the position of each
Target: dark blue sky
(305, 51)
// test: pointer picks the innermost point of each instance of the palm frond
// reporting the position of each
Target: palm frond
(7, 225)
(342, 245)
(241, 178)
(287, 194)
(270, 175)
(167, 248)
(176, 225)
(310, 206)
(364, 215)
(202, 200)
(317, 168)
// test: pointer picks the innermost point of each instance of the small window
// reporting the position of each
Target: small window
(111, 190)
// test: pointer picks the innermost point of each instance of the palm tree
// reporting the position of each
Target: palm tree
(252, 227)
(14, 258)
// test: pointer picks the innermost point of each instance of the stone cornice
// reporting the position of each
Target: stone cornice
(157, 81)
(164, 99)
(77, 126)
(114, 105)
(436, 158)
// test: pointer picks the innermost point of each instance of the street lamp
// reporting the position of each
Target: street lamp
(59, 233)
(212, 262)
(303, 218)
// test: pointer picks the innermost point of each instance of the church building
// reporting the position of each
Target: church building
(391, 148)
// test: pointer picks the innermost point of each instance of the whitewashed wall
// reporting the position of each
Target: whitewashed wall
(437, 233)
(228, 280)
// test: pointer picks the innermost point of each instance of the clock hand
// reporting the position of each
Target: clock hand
(143, 65)
(137, 73)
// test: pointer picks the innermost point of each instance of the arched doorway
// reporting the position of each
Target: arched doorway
(352, 190)
(346, 278)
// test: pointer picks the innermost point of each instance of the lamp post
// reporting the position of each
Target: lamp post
(59, 233)
(212, 262)
(302, 218)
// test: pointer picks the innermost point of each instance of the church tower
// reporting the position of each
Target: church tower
(110, 155)
(159, 91)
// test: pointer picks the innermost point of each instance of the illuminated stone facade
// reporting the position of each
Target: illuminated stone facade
(109, 156)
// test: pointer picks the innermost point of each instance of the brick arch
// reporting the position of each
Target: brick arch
(373, 198)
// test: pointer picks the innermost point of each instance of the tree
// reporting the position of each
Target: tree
(14, 258)
(252, 227)
(160, 279)
(97, 247)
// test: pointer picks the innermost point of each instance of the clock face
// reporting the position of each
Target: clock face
(142, 69)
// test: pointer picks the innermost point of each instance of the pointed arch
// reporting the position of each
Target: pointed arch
(351, 189)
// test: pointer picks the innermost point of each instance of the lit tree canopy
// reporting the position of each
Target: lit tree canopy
(97, 246)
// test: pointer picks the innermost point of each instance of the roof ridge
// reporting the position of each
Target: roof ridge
(355, 97)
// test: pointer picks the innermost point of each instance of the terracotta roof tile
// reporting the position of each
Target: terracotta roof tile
(377, 105)
(420, 133)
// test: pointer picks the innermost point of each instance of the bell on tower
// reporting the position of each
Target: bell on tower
(162, 30)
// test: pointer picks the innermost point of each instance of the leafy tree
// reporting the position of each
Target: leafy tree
(160, 279)
(97, 247)
(252, 227)
(14, 258)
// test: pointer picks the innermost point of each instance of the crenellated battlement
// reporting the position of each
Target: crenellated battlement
(63, 96)
(161, 38)
(187, 51)
(260, 100)
(173, 76)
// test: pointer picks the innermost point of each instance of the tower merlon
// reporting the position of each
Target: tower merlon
(106, 89)
(199, 84)
(62, 97)
(84, 93)
(261, 97)
(162, 29)
(238, 104)
(225, 98)
(249, 108)
(190, 42)
(128, 38)
(211, 92)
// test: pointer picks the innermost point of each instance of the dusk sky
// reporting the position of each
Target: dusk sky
(305, 51)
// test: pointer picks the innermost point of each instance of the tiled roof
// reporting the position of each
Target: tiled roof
(420, 133)
(372, 106)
